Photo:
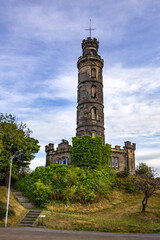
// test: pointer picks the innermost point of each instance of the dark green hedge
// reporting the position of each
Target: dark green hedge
(88, 152)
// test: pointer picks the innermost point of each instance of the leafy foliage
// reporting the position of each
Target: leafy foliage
(142, 169)
(124, 173)
(88, 152)
(62, 182)
(15, 141)
(148, 185)
(145, 181)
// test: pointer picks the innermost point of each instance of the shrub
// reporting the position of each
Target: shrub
(88, 152)
(124, 173)
(65, 183)
(41, 193)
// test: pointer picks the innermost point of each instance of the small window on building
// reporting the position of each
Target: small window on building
(93, 73)
(60, 161)
(114, 162)
(93, 91)
(94, 113)
(93, 134)
(63, 160)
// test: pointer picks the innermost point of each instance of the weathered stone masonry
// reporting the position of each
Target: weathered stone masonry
(90, 116)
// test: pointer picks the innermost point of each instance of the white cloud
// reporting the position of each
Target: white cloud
(132, 101)
(37, 162)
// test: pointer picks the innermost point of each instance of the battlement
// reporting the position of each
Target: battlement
(49, 147)
(128, 145)
(63, 146)
(117, 149)
(89, 42)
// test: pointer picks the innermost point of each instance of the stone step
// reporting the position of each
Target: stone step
(32, 215)
(27, 222)
(35, 211)
(25, 225)
(28, 205)
(23, 199)
(29, 218)
(18, 194)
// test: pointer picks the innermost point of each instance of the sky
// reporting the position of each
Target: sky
(40, 42)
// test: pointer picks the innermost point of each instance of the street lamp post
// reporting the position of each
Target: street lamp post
(9, 184)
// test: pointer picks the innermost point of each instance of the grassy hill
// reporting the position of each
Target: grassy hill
(17, 210)
(121, 212)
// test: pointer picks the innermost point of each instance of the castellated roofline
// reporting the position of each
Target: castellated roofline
(62, 147)
(127, 145)
(90, 42)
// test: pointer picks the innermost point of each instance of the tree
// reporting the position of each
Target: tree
(146, 181)
(90, 152)
(16, 142)
(142, 168)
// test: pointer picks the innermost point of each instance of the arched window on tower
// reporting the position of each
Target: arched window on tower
(94, 134)
(94, 113)
(93, 73)
(93, 90)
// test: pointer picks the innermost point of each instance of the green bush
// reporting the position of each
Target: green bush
(129, 186)
(65, 183)
(88, 152)
(41, 193)
(124, 173)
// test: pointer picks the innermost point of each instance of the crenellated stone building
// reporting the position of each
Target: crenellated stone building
(90, 114)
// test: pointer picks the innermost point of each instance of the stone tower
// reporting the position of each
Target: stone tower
(90, 115)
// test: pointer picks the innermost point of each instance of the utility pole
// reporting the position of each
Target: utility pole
(9, 185)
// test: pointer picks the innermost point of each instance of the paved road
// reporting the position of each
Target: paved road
(48, 234)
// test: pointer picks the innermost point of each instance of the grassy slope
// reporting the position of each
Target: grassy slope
(119, 213)
(15, 205)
